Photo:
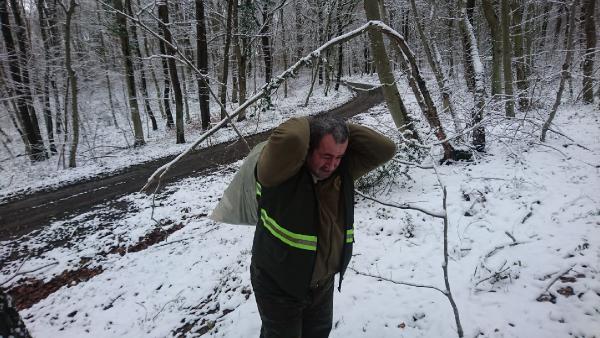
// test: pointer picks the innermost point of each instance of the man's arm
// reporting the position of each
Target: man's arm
(285, 152)
(367, 149)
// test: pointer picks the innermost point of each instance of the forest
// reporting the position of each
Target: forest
(494, 106)
(144, 68)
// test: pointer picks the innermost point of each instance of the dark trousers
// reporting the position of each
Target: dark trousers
(284, 316)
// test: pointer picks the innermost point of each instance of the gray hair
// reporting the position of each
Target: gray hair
(327, 124)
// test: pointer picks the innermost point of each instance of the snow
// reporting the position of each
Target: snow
(546, 201)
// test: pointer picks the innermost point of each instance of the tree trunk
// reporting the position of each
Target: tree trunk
(202, 62)
(245, 16)
(105, 62)
(436, 67)
(386, 77)
(507, 60)
(340, 50)
(468, 66)
(299, 31)
(285, 52)
(588, 63)
(479, 93)
(138, 132)
(188, 118)
(6, 91)
(565, 72)
(520, 62)
(225, 74)
(152, 71)
(494, 25)
(163, 15)
(236, 50)
(18, 72)
(265, 39)
(73, 83)
(45, 90)
(547, 9)
(139, 64)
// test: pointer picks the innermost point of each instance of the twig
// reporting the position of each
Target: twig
(409, 206)
(492, 275)
(398, 282)
(26, 272)
(413, 164)
(511, 236)
(560, 274)
(502, 246)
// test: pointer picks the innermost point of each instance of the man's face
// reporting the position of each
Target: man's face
(324, 159)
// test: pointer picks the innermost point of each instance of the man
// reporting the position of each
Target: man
(305, 231)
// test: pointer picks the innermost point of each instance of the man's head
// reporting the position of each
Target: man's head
(328, 143)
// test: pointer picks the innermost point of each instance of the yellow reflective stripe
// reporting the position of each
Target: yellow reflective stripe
(305, 242)
(309, 238)
(350, 236)
(258, 189)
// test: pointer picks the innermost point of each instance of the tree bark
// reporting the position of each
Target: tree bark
(45, 87)
(386, 77)
(138, 131)
(245, 14)
(285, 52)
(468, 66)
(590, 50)
(479, 93)
(507, 60)
(139, 65)
(163, 15)
(202, 62)
(265, 39)
(436, 67)
(299, 24)
(520, 62)
(19, 75)
(494, 25)
(225, 74)
(73, 83)
(235, 41)
(565, 72)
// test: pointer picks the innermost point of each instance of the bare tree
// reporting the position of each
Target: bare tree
(477, 72)
(565, 72)
(517, 9)
(123, 33)
(225, 68)
(495, 30)
(202, 64)
(20, 76)
(386, 77)
(507, 59)
(44, 30)
(72, 79)
(139, 65)
(590, 50)
(163, 14)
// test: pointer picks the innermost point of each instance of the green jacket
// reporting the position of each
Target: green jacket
(322, 210)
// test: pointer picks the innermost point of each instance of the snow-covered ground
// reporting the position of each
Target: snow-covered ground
(520, 217)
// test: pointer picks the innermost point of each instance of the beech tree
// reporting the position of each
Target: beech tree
(590, 50)
(129, 74)
(19, 72)
(163, 14)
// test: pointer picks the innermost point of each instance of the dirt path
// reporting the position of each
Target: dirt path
(25, 213)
